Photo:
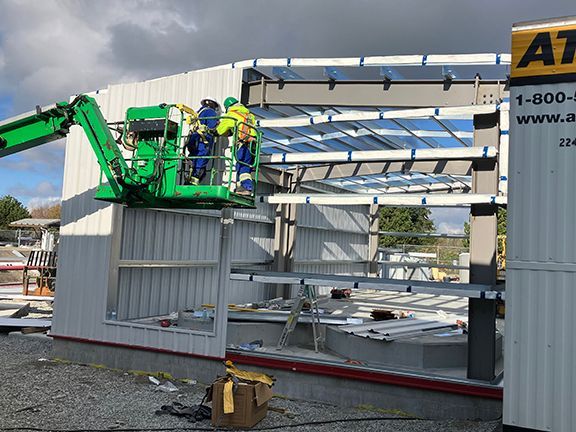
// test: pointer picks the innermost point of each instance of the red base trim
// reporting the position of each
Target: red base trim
(328, 370)
(11, 267)
(371, 376)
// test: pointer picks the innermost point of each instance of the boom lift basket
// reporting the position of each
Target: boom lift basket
(155, 139)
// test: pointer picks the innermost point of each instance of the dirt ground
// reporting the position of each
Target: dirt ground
(40, 393)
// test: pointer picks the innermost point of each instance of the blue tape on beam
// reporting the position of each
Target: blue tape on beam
(329, 119)
(482, 295)
(350, 156)
(409, 289)
(492, 200)
(311, 120)
(423, 200)
(381, 115)
(361, 61)
(261, 199)
(503, 178)
(251, 278)
(436, 111)
(375, 200)
(233, 65)
(504, 132)
(413, 154)
(308, 200)
(283, 157)
(498, 58)
(355, 285)
(255, 63)
(302, 282)
(498, 107)
(288, 62)
(424, 60)
(485, 152)
(258, 123)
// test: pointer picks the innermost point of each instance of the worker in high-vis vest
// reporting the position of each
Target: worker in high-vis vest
(240, 116)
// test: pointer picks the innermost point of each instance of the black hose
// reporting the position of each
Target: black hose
(311, 423)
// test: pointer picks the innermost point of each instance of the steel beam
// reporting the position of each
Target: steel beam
(336, 171)
(373, 93)
(378, 284)
(483, 249)
(403, 199)
(406, 155)
(274, 176)
(422, 235)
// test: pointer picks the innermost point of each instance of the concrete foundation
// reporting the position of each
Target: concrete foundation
(421, 402)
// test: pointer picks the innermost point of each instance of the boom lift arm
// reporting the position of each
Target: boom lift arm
(54, 122)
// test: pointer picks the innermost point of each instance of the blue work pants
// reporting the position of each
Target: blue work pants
(245, 159)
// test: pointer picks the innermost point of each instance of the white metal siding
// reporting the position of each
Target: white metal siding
(88, 261)
(540, 351)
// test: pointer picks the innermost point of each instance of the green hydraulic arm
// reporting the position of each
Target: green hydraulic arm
(53, 122)
(153, 176)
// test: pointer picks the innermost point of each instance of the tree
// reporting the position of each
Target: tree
(46, 212)
(11, 210)
(405, 219)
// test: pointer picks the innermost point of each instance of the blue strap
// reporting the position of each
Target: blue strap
(504, 132)
(492, 199)
(258, 123)
(413, 154)
(498, 58)
(307, 200)
(329, 119)
(436, 111)
(350, 156)
(255, 62)
(503, 178)
(423, 200)
(424, 60)
(485, 152)
(361, 61)
(498, 107)
(283, 157)
(311, 120)
(233, 65)
(375, 200)
(381, 115)
(288, 62)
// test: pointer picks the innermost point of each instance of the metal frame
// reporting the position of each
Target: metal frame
(373, 93)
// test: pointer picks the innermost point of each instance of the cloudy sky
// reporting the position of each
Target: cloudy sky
(51, 49)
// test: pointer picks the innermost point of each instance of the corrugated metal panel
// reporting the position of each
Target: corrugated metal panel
(88, 231)
(540, 351)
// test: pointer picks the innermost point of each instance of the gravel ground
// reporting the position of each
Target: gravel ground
(37, 392)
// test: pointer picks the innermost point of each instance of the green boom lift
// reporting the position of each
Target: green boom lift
(155, 173)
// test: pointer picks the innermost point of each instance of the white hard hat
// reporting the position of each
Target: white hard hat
(209, 99)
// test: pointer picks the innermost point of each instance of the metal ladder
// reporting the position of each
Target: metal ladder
(305, 292)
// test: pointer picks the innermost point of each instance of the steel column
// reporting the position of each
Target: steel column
(224, 281)
(373, 236)
(285, 236)
(483, 250)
